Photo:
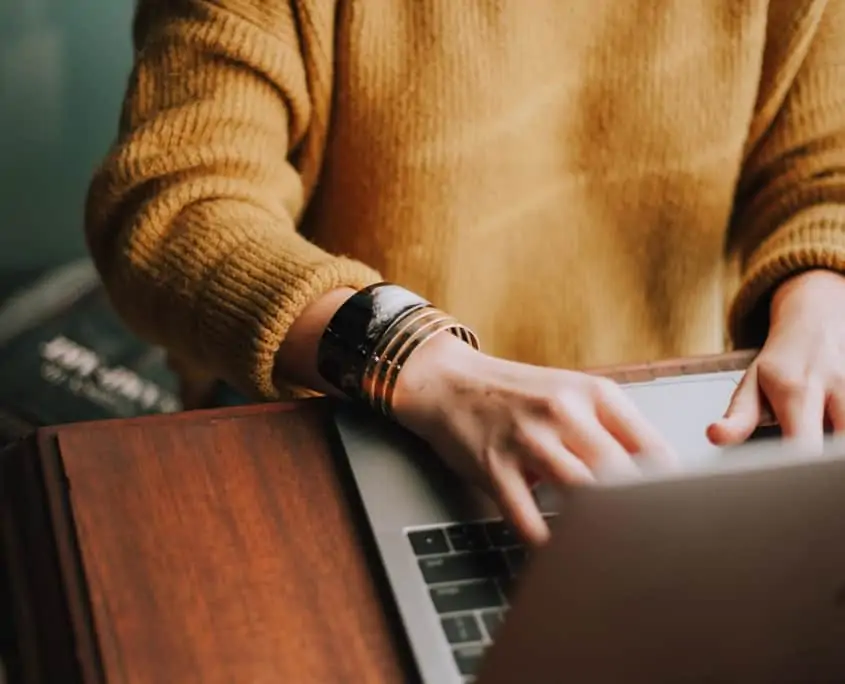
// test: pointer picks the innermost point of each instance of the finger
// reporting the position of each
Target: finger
(624, 421)
(597, 448)
(553, 462)
(800, 413)
(515, 500)
(743, 414)
(836, 410)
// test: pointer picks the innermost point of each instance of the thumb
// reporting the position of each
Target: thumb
(743, 414)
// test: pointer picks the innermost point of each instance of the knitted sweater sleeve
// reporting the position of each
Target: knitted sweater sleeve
(191, 219)
(790, 210)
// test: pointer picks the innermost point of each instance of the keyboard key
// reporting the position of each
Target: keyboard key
(516, 559)
(461, 628)
(501, 534)
(468, 537)
(492, 619)
(463, 566)
(459, 598)
(468, 659)
(425, 542)
(507, 585)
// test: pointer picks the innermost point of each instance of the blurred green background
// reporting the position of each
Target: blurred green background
(63, 68)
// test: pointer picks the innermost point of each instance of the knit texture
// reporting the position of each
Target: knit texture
(584, 182)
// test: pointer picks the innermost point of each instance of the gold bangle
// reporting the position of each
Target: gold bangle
(399, 341)
(376, 370)
(420, 335)
(450, 325)
(398, 331)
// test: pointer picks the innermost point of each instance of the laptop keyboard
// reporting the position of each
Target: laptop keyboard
(470, 570)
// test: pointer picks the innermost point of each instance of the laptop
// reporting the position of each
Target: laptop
(725, 575)
(456, 571)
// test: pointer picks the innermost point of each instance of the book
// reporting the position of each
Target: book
(66, 356)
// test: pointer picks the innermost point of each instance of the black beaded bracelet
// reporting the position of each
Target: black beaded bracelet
(355, 331)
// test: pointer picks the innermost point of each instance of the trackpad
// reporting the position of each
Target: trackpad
(682, 409)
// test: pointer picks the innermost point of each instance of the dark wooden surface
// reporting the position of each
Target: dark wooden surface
(216, 546)
(213, 546)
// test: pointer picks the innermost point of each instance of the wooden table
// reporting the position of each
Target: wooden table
(211, 546)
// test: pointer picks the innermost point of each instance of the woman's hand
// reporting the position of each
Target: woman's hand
(503, 424)
(800, 371)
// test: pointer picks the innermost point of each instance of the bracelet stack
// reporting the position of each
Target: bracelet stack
(400, 340)
(373, 335)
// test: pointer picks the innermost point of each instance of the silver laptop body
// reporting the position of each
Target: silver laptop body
(734, 575)
(425, 520)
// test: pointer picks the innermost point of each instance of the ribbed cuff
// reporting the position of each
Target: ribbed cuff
(815, 238)
(246, 308)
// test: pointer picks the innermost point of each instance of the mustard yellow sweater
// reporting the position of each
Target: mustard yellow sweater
(583, 182)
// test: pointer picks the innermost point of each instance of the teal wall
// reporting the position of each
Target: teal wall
(63, 67)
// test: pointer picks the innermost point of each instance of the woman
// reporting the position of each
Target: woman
(579, 183)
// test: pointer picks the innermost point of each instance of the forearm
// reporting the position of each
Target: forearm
(296, 359)
(441, 354)
(192, 225)
(789, 215)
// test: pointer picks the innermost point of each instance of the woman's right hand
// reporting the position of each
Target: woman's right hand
(503, 424)
(498, 423)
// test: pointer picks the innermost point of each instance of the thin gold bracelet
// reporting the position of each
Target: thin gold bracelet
(376, 367)
(425, 332)
(413, 344)
(378, 371)
(399, 341)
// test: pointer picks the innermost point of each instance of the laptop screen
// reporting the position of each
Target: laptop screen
(682, 407)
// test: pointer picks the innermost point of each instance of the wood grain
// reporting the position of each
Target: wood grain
(221, 548)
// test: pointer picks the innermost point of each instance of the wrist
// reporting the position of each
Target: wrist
(375, 334)
(795, 293)
(296, 358)
(436, 369)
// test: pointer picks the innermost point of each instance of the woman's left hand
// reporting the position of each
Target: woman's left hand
(800, 372)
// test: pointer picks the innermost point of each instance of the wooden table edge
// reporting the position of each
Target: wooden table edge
(625, 373)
